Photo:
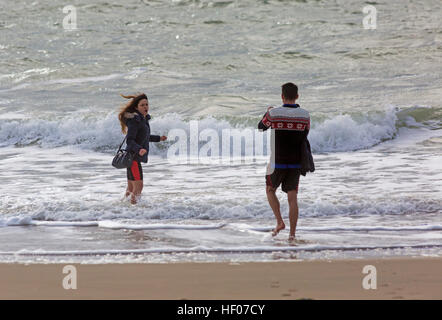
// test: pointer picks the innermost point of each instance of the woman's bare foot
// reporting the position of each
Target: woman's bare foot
(279, 227)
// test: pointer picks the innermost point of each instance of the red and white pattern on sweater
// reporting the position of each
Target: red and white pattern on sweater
(284, 118)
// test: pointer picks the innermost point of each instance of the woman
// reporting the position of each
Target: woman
(134, 120)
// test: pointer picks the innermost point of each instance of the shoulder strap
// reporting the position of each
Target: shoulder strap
(119, 148)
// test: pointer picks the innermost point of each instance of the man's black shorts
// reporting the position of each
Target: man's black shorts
(288, 177)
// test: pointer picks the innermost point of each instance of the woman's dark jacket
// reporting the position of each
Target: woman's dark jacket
(138, 134)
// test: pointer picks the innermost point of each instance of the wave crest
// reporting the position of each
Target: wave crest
(102, 132)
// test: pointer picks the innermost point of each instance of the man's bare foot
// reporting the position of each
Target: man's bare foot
(279, 227)
(292, 238)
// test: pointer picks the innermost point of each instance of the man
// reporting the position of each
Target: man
(291, 125)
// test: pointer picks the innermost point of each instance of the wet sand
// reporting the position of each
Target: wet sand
(396, 278)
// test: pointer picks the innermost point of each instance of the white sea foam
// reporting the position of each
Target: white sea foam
(116, 225)
(157, 226)
(84, 211)
(203, 249)
(102, 132)
(343, 133)
(355, 228)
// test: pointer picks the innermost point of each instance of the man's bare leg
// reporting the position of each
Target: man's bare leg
(274, 204)
(292, 197)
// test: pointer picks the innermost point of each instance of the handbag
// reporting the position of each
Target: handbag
(123, 158)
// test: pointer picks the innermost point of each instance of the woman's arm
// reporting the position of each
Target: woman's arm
(154, 138)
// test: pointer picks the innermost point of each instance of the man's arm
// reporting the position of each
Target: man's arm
(306, 131)
(265, 122)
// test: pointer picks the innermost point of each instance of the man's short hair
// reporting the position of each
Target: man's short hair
(290, 91)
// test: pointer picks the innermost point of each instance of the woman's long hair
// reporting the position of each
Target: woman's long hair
(130, 107)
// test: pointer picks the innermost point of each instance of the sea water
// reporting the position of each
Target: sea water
(373, 95)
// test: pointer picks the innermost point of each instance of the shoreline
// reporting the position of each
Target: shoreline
(394, 278)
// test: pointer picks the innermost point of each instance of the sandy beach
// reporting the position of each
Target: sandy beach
(399, 278)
